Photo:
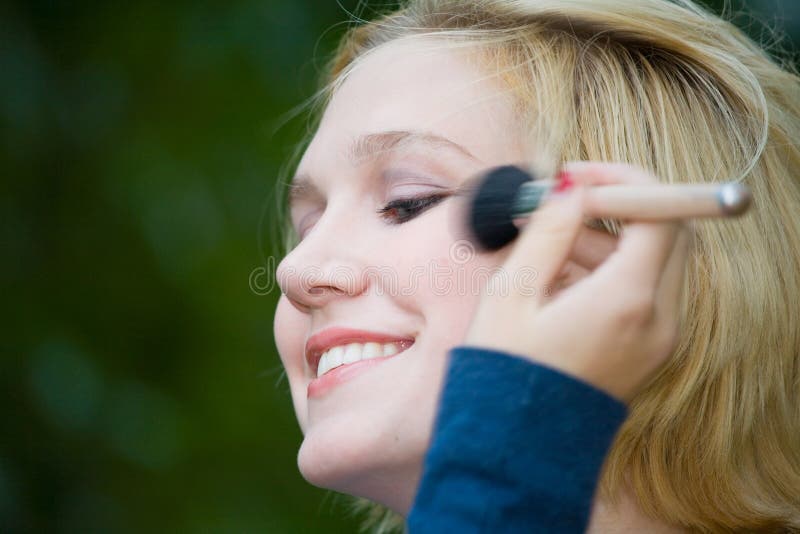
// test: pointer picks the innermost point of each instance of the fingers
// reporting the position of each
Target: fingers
(548, 238)
(601, 173)
(569, 275)
(643, 248)
(551, 228)
(592, 247)
(645, 255)
(643, 252)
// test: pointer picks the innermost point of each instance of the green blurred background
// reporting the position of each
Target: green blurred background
(140, 150)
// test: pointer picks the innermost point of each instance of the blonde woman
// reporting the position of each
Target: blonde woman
(692, 327)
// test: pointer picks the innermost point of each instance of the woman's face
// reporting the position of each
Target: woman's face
(413, 120)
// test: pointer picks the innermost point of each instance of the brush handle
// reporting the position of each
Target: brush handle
(648, 202)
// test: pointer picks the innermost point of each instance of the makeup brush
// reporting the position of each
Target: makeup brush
(507, 195)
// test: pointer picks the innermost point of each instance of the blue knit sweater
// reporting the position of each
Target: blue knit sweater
(516, 447)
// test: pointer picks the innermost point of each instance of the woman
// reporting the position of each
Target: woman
(439, 91)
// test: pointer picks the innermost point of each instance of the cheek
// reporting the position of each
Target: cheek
(289, 327)
(450, 290)
(454, 297)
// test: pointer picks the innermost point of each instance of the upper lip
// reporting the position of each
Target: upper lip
(332, 337)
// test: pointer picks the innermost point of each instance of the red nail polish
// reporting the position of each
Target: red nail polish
(565, 182)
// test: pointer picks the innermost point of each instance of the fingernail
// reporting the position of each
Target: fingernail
(565, 182)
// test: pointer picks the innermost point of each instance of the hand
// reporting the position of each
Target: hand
(615, 326)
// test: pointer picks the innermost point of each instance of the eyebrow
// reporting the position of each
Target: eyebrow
(370, 146)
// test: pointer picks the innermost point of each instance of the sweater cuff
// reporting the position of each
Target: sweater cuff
(516, 446)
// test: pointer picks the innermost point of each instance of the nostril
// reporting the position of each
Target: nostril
(312, 277)
(321, 290)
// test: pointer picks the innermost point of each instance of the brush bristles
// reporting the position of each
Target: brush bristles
(490, 218)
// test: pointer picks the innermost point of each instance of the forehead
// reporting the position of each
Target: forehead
(420, 84)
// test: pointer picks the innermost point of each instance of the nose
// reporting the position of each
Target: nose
(323, 267)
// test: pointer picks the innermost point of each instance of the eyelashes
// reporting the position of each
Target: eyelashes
(404, 209)
(394, 212)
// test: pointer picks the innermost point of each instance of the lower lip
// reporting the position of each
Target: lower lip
(343, 373)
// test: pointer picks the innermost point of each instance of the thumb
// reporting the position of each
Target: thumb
(547, 239)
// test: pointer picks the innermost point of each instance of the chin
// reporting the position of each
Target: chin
(331, 455)
(358, 463)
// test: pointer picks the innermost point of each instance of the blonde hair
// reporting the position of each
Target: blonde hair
(713, 441)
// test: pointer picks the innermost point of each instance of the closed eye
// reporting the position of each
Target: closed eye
(404, 209)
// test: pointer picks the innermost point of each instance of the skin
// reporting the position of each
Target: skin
(368, 436)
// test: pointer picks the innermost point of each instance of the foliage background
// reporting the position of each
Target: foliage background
(140, 150)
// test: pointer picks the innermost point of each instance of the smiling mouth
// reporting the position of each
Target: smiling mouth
(337, 355)
(336, 347)
(356, 352)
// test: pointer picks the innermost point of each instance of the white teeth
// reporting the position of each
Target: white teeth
(324, 365)
(371, 350)
(321, 370)
(354, 352)
(336, 357)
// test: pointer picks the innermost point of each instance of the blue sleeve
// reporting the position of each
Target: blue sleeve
(516, 447)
